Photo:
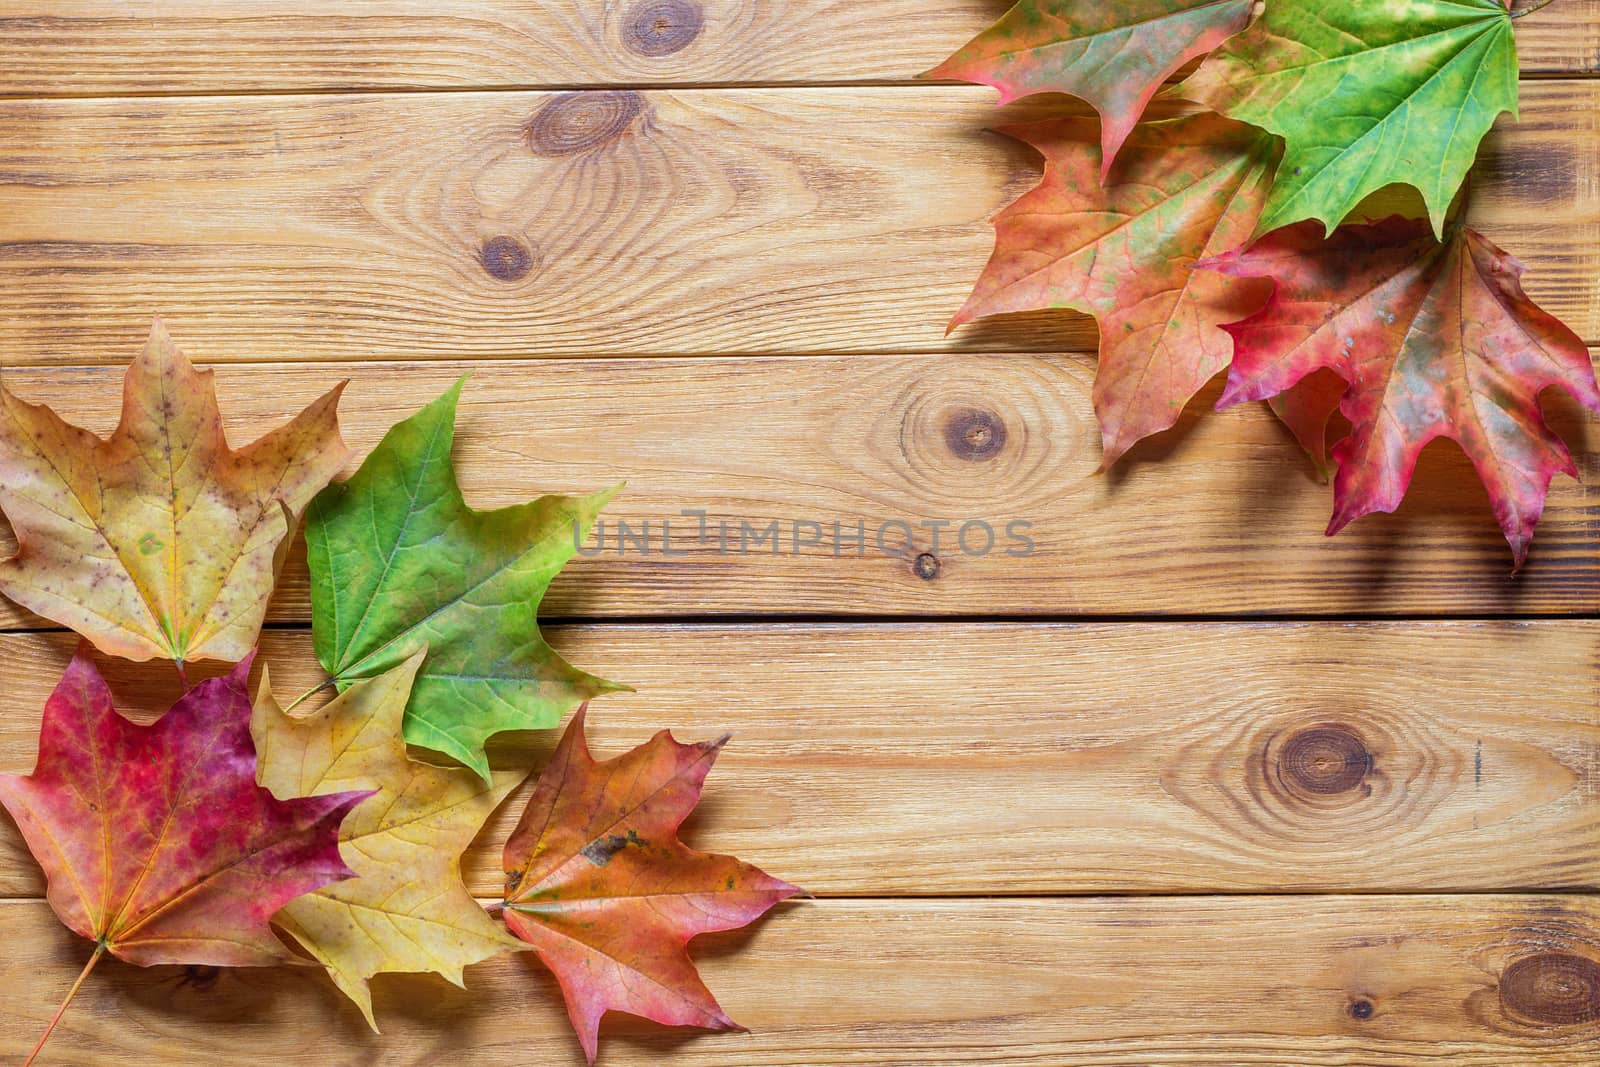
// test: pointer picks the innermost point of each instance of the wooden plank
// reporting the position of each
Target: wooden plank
(479, 225)
(1219, 517)
(949, 759)
(1481, 981)
(76, 47)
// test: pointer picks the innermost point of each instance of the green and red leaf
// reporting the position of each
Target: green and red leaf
(1112, 55)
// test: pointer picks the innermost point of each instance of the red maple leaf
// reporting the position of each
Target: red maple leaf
(1306, 408)
(598, 882)
(1434, 340)
(157, 843)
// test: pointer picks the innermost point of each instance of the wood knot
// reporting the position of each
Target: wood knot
(1361, 1009)
(577, 122)
(973, 434)
(657, 28)
(1324, 760)
(201, 976)
(506, 258)
(927, 566)
(1553, 987)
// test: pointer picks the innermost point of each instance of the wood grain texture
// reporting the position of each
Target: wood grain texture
(476, 225)
(713, 205)
(77, 47)
(1483, 981)
(952, 759)
(1221, 516)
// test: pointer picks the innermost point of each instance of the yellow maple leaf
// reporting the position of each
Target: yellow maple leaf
(407, 908)
(159, 541)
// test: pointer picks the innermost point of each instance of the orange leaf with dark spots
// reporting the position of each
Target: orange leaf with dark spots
(599, 884)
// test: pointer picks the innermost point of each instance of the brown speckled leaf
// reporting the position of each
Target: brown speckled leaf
(159, 541)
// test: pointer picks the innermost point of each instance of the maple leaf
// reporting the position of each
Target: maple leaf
(1366, 93)
(407, 909)
(159, 541)
(598, 882)
(1112, 55)
(1184, 189)
(157, 843)
(1434, 339)
(400, 562)
(1306, 408)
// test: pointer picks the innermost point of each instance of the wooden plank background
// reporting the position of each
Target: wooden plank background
(662, 221)
(1219, 517)
(1154, 758)
(1187, 784)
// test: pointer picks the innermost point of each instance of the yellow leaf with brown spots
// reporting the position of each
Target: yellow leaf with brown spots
(407, 909)
(159, 541)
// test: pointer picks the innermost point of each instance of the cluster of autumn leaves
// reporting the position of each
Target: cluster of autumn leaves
(1219, 239)
(189, 839)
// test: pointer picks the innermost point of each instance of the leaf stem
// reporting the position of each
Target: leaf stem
(309, 693)
(1455, 215)
(1530, 10)
(99, 950)
(183, 676)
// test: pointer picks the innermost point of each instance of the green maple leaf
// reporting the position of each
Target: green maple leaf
(399, 562)
(1366, 93)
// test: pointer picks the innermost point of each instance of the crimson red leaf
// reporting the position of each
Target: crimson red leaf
(1435, 340)
(1305, 408)
(598, 882)
(156, 842)
(156, 839)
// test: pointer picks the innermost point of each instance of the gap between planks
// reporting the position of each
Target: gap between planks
(756, 621)
(1003, 897)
